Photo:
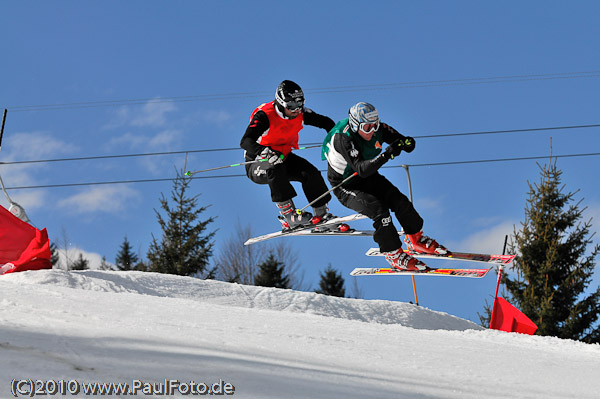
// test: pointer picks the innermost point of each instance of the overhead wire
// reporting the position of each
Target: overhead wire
(243, 175)
(334, 89)
(307, 144)
(318, 90)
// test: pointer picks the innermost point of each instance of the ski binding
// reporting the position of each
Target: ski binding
(326, 228)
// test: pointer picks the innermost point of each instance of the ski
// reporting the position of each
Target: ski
(485, 258)
(374, 271)
(336, 233)
(320, 229)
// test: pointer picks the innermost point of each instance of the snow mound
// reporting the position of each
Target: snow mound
(237, 295)
(98, 327)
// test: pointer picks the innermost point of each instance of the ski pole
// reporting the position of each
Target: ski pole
(299, 211)
(189, 173)
(309, 146)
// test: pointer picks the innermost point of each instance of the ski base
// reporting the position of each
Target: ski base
(316, 230)
(374, 271)
(485, 258)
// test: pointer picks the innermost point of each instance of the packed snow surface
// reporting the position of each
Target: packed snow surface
(151, 333)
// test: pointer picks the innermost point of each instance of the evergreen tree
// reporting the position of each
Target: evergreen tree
(104, 264)
(185, 248)
(271, 274)
(142, 266)
(332, 283)
(553, 267)
(81, 263)
(126, 259)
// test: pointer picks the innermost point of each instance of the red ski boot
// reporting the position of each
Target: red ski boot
(422, 244)
(322, 216)
(400, 260)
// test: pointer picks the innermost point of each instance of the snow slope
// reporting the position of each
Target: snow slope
(142, 328)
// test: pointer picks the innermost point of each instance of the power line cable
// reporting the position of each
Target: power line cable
(321, 90)
(303, 145)
(118, 156)
(499, 160)
(322, 171)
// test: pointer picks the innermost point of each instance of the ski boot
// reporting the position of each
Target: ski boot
(400, 260)
(422, 244)
(290, 219)
(322, 215)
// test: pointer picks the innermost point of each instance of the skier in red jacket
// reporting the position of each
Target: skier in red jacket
(271, 135)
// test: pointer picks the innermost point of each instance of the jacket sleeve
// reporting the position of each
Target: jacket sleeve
(257, 126)
(389, 134)
(365, 168)
(313, 119)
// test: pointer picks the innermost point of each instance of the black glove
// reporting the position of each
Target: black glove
(274, 157)
(394, 149)
(409, 144)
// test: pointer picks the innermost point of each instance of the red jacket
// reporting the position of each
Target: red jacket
(282, 134)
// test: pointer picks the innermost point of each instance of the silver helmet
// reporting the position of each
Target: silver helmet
(363, 114)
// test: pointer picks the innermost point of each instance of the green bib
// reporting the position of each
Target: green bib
(368, 149)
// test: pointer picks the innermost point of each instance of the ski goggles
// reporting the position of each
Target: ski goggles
(368, 128)
(294, 105)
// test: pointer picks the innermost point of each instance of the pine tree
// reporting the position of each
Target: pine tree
(332, 283)
(553, 266)
(183, 249)
(271, 274)
(104, 264)
(142, 266)
(81, 263)
(126, 259)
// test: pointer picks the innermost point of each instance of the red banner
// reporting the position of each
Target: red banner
(22, 246)
(510, 319)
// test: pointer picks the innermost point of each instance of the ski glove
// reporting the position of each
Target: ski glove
(409, 144)
(394, 149)
(274, 157)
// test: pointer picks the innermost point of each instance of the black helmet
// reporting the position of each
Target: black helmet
(289, 95)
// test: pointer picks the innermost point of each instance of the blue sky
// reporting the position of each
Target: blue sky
(148, 76)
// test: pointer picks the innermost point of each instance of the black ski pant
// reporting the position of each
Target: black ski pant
(293, 168)
(375, 197)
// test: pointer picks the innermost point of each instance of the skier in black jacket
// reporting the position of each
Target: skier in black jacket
(271, 135)
(354, 145)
